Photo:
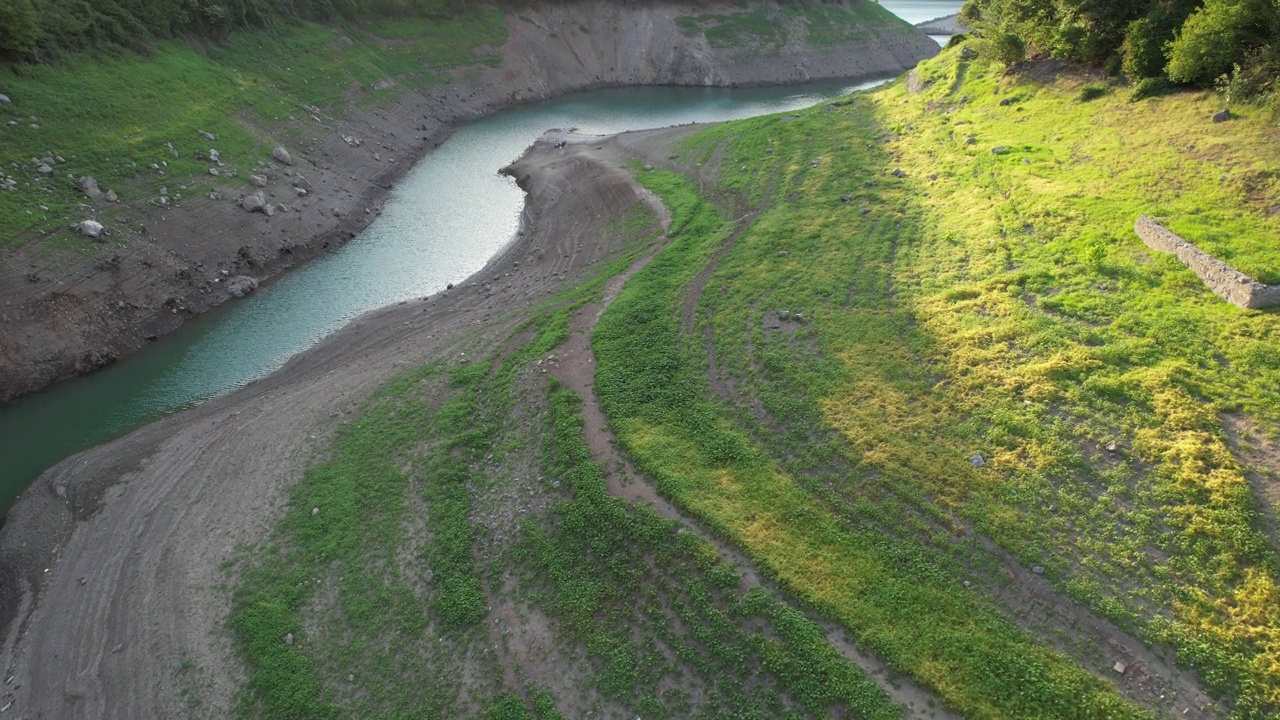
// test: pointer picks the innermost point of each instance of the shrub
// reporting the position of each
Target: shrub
(1215, 37)
(1008, 48)
(1093, 92)
(1142, 54)
(1150, 87)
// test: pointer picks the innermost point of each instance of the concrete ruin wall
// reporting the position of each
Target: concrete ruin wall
(1232, 285)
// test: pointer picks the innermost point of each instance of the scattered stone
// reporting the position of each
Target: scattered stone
(241, 285)
(1111, 446)
(1037, 570)
(215, 156)
(1026, 161)
(4, 99)
(971, 140)
(1120, 666)
(784, 315)
(933, 176)
(1006, 102)
(44, 169)
(967, 583)
(90, 228)
(846, 197)
(301, 192)
(258, 180)
(337, 212)
(648, 168)
(315, 511)
(798, 317)
(288, 638)
(898, 173)
(214, 172)
(208, 136)
(1222, 116)
(782, 253)
(976, 460)
(282, 155)
(254, 203)
(301, 182)
(999, 150)
(89, 187)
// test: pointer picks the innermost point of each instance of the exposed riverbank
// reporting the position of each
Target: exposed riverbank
(70, 311)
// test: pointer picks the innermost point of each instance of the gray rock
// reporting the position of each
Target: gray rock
(302, 183)
(798, 317)
(976, 460)
(1006, 102)
(933, 176)
(282, 155)
(898, 173)
(214, 172)
(1120, 666)
(288, 639)
(784, 315)
(4, 99)
(254, 203)
(241, 285)
(89, 187)
(1026, 161)
(215, 156)
(971, 140)
(44, 170)
(208, 136)
(999, 150)
(1222, 116)
(1111, 446)
(648, 168)
(1037, 570)
(782, 253)
(90, 228)
(846, 198)
(258, 180)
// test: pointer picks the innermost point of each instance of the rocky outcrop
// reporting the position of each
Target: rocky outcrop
(162, 270)
(1230, 284)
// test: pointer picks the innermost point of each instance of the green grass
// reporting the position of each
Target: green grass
(1005, 309)
(113, 118)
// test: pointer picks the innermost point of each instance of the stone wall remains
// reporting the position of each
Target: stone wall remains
(1232, 285)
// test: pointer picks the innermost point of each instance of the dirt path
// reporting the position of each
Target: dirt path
(114, 588)
(575, 364)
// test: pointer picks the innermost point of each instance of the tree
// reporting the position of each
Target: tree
(19, 28)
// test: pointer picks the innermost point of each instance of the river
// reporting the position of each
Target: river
(442, 223)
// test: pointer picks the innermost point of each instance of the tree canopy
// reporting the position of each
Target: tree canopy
(1234, 44)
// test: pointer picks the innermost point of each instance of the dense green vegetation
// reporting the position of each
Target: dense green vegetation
(1234, 44)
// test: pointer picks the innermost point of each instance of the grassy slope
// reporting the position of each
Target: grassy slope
(1004, 309)
(114, 118)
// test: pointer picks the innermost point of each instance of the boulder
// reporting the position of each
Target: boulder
(1037, 570)
(214, 172)
(258, 180)
(281, 155)
(111, 196)
(898, 173)
(44, 169)
(1222, 116)
(4, 98)
(89, 187)
(301, 183)
(90, 228)
(254, 203)
(976, 460)
(241, 285)
(215, 156)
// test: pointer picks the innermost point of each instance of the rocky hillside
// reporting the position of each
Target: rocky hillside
(141, 192)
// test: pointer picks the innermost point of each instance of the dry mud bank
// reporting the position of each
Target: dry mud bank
(68, 313)
(112, 561)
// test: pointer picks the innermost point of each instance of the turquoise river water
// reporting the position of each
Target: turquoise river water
(443, 222)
